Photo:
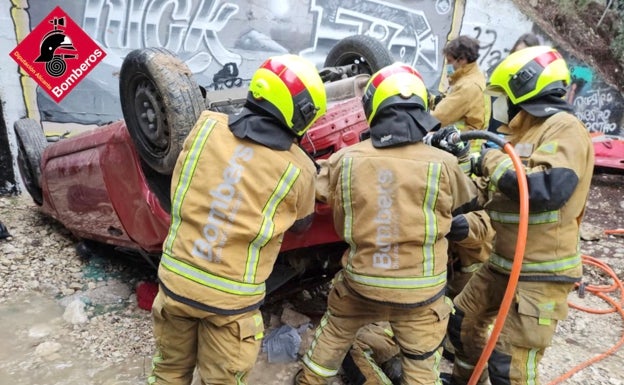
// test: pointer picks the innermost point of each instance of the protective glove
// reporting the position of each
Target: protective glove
(459, 228)
(447, 139)
(434, 98)
(476, 161)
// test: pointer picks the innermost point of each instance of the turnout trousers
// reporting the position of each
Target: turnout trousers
(419, 333)
(528, 329)
(224, 348)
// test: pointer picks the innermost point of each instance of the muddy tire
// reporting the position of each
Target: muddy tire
(161, 102)
(31, 142)
(368, 53)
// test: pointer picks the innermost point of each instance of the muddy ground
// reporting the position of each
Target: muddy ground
(109, 340)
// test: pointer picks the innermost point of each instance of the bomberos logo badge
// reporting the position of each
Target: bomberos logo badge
(57, 54)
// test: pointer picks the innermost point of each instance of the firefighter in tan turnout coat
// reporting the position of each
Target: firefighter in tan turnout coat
(465, 105)
(240, 182)
(557, 153)
(393, 198)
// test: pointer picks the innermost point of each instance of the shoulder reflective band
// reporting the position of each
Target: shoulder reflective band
(347, 205)
(184, 181)
(266, 228)
(431, 220)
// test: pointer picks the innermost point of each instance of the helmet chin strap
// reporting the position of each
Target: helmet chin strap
(304, 111)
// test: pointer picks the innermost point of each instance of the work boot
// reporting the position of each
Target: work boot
(4, 232)
(392, 368)
(448, 350)
(447, 379)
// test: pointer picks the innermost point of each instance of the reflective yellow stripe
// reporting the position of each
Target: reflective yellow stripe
(381, 376)
(239, 378)
(268, 226)
(398, 282)
(472, 268)
(500, 170)
(534, 218)
(436, 366)
(531, 367)
(431, 221)
(466, 167)
(548, 148)
(318, 369)
(156, 359)
(307, 358)
(186, 175)
(345, 184)
(539, 267)
(463, 364)
(210, 280)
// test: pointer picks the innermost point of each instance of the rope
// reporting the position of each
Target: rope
(600, 292)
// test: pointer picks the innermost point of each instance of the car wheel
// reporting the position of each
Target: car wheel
(31, 142)
(161, 102)
(367, 53)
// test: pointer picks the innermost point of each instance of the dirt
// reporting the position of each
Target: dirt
(40, 268)
(578, 29)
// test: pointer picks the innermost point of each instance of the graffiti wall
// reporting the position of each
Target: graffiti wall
(223, 42)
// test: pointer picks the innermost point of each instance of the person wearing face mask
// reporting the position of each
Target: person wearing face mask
(465, 105)
(557, 153)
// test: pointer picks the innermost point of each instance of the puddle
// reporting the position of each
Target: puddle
(35, 349)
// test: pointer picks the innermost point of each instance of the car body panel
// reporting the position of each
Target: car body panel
(94, 185)
(608, 151)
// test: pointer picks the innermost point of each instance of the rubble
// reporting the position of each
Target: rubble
(42, 275)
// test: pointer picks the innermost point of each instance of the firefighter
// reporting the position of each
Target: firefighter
(240, 182)
(392, 198)
(374, 358)
(470, 245)
(465, 105)
(557, 153)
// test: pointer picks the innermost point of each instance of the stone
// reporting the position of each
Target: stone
(47, 348)
(113, 292)
(293, 318)
(40, 331)
(75, 313)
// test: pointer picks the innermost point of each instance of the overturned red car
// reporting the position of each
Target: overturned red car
(112, 184)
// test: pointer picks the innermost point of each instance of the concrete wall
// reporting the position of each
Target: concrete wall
(212, 34)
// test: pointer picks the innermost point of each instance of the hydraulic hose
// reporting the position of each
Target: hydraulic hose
(519, 251)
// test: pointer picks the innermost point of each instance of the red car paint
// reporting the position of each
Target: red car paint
(94, 185)
(608, 152)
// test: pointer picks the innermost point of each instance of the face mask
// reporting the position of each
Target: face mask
(450, 70)
(500, 111)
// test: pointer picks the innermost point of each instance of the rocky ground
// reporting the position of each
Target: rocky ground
(71, 317)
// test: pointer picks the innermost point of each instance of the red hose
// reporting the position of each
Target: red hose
(515, 269)
(599, 291)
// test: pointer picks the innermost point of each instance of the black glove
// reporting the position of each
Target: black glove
(447, 139)
(434, 98)
(459, 228)
(476, 161)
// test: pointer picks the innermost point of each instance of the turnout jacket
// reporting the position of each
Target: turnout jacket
(393, 206)
(558, 156)
(476, 247)
(232, 201)
(465, 105)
